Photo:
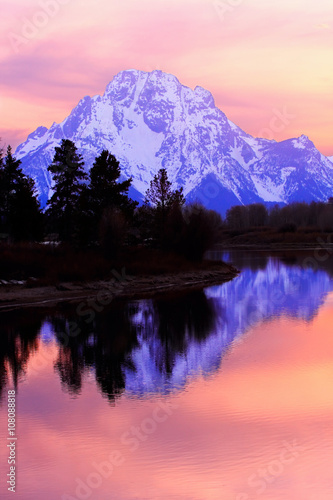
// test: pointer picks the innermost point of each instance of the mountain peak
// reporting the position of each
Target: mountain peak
(303, 142)
(149, 120)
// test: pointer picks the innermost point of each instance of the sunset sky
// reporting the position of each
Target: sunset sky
(259, 58)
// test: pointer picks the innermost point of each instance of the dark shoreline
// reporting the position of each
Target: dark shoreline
(122, 286)
(274, 247)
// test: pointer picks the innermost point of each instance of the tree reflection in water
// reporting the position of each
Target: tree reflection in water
(156, 345)
(105, 345)
(18, 341)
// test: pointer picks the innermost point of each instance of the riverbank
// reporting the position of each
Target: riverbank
(121, 285)
(275, 247)
(273, 239)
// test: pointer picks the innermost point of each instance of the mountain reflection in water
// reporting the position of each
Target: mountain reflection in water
(150, 346)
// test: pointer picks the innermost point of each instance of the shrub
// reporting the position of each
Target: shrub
(193, 231)
(288, 227)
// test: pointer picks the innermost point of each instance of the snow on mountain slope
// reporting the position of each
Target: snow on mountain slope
(293, 170)
(150, 120)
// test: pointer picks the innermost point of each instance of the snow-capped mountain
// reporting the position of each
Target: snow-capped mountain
(150, 120)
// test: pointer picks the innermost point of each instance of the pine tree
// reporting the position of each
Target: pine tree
(11, 177)
(160, 193)
(20, 214)
(164, 201)
(104, 194)
(105, 190)
(68, 176)
(2, 196)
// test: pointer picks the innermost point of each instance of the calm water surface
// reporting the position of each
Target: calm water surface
(224, 394)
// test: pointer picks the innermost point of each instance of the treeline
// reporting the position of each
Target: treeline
(288, 218)
(95, 211)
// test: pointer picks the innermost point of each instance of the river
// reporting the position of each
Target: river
(220, 394)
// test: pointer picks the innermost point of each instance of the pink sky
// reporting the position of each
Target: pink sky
(257, 57)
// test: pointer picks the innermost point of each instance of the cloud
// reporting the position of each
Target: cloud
(12, 137)
(323, 26)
